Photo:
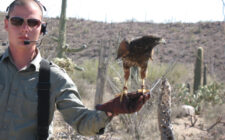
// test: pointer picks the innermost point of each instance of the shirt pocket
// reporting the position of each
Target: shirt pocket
(30, 94)
(29, 99)
(29, 89)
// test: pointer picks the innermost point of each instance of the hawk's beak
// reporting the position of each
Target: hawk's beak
(162, 41)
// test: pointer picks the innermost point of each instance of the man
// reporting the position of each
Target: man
(19, 70)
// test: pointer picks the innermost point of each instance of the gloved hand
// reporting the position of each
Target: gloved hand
(131, 102)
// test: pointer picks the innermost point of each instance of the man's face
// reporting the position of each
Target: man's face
(17, 34)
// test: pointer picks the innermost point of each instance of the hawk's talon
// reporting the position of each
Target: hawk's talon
(143, 90)
(125, 90)
(123, 93)
(142, 86)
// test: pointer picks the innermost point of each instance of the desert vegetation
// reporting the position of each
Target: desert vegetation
(183, 39)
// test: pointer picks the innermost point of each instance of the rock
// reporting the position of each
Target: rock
(186, 110)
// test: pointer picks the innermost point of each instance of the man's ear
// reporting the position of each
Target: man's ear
(44, 28)
(6, 22)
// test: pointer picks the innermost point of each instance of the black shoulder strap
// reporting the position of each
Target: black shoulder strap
(43, 100)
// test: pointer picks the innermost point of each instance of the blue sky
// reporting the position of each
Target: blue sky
(158, 11)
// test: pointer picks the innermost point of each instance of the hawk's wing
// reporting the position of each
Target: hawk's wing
(142, 45)
(123, 49)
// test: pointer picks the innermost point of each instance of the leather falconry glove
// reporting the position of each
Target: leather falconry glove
(131, 102)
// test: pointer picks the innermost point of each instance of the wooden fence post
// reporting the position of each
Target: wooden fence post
(102, 72)
(164, 111)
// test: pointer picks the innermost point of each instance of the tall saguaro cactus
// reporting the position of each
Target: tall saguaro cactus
(62, 31)
(205, 75)
(198, 69)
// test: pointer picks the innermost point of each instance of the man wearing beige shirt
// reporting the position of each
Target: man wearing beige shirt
(19, 71)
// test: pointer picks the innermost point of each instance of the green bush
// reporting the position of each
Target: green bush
(178, 74)
(211, 94)
(90, 71)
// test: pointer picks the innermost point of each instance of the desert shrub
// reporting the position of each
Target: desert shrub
(85, 89)
(178, 74)
(211, 94)
(115, 69)
(211, 115)
(90, 71)
(139, 126)
(181, 92)
(65, 63)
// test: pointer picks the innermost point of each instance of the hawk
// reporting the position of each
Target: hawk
(137, 53)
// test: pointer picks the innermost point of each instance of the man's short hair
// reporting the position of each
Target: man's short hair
(22, 3)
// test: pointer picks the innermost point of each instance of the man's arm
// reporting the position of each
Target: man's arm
(85, 121)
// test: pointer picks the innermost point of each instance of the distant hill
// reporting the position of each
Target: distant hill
(182, 40)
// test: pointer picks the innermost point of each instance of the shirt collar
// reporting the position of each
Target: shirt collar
(35, 63)
(5, 55)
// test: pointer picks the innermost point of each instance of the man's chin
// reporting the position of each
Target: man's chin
(22, 45)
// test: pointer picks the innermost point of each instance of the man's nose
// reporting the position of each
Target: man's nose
(25, 27)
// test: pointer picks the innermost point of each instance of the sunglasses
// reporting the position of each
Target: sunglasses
(18, 21)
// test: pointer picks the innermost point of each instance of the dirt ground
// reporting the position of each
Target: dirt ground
(185, 128)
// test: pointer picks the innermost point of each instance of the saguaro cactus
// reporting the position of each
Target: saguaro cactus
(62, 31)
(198, 69)
(205, 75)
